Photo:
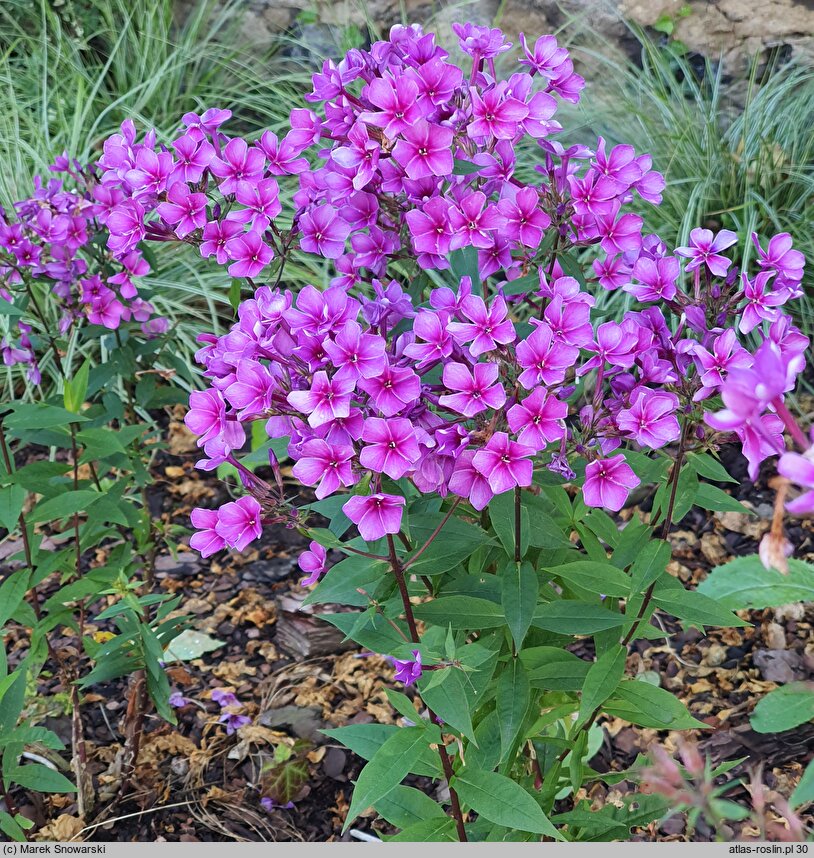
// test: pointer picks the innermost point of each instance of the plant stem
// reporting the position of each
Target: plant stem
(517, 520)
(398, 571)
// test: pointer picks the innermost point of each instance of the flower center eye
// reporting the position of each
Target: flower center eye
(423, 152)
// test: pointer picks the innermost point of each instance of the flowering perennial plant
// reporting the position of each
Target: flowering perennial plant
(452, 394)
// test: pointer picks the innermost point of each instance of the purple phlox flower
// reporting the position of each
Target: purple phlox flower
(780, 257)
(727, 353)
(468, 482)
(431, 327)
(250, 254)
(496, 114)
(761, 302)
(207, 414)
(504, 463)
(216, 237)
(800, 470)
(269, 804)
(657, 279)
(361, 155)
(327, 398)
(306, 128)
(397, 100)
(239, 522)
(408, 670)
(372, 248)
(391, 446)
(525, 221)
(262, 201)
(313, 562)
(252, 391)
(569, 321)
(393, 390)
(538, 419)
(224, 697)
(424, 150)
(177, 700)
(321, 313)
(324, 465)
(356, 354)
(481, 42)
(608, 483)
(238, 163)
(443, 298)
(612, 272)
(618, 235)
(151, 172)
(389, 305)
(183, 209)
(375, 515)
(323, 232)
(614, 345)
(651, 184)
(620, 166)
(234, 722)
(192, 157)
(546, 58)
(437, 82)
(208, 122)
(487, 327)
(651, 419)
(126, 226)
(473, 221)
(478, 389)
(283, 155)
(430, 229)
(543, 358)
(705, 249)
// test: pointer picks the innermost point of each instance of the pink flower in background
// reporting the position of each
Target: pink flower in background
(651, 419)
(390, 446)
(238, 163)
(250, 255)
(206, 539)
(538, 419)
(486, 328)
(800, 470)
(313, 563)
(477, 390)
(327, 466)
(408, 671)
(504, 463)
(323, 232)
(424, 150)
(327, 399)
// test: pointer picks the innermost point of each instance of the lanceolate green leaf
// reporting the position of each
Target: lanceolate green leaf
(40, 778)
(649, 706)
(575, 618)
(443, 691)
(502, 801)
(746, 583)
(519, 588)
(512, 700)
(600, 578)
(784, 708)
(603, 677)
(461, 612)
(388, 767)
(694, 607)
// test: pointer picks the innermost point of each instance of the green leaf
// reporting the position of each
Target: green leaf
(600, 578)
(363, 739)
(512, 700)
(11, 827)
(575, 618)
(649, 565)
(461, 612)
(368, 630)
(64, 505)
(710, 468)
(40, 778)
(284, 781)
(571, 267)
(404, 806)
(457, 540)
(502, 801)
(804, 791)
(519, 590)
(234, 294)
(464, 168)
(501, 514)
(29, 414)
(602, 679)
(76, 388)
(12, 499)
(427, 831)
(341, 584)
(443, 691)
(554, 669)
(649, 706)
(12, 593)
(100, 443)
(694, 607)
(191, 644)
(464, 263)
(784, 708)
(389, 766)
(746, 583)
(711, 497)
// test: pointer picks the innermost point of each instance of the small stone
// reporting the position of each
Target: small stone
(775, 636)
(333, 764)
(781, 666)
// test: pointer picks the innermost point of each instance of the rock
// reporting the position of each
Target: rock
(775, 636)
(735, 30)
(334, 762)
(305, 722)
(781, 666)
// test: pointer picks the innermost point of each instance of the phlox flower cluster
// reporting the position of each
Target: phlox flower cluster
(466, 393)
(49, 237)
